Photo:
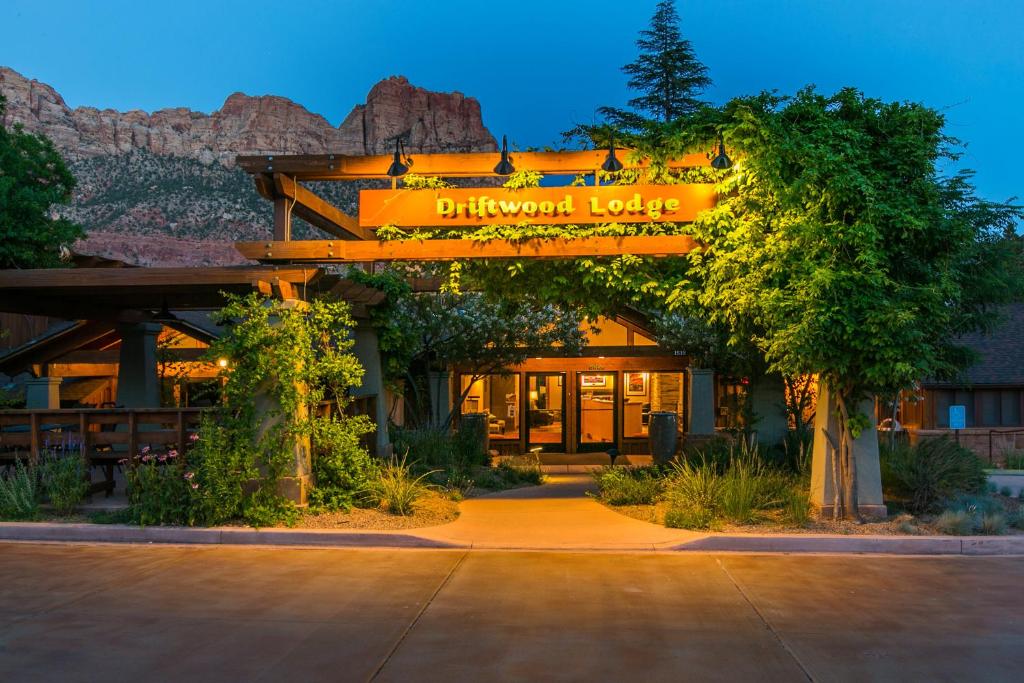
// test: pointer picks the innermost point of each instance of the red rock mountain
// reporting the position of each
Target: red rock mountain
(161, 187)
(430, 122)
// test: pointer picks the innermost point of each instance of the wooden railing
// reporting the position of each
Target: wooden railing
(102, 436)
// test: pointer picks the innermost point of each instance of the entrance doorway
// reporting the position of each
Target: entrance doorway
(545, 411)
(597, 414)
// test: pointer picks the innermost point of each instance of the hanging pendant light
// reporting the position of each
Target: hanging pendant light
(611, 163)
(721, 160)
(397, 168)
(504, 166)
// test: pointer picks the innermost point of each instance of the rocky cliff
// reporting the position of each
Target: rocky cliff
(170, 174)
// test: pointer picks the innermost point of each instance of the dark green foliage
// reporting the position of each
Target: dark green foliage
(33, 180)
(341, 466)
(933, 471)
(628, 486)
(19, 492)
(62, 475)
(667, 73)
(160, 489)
(395, 488)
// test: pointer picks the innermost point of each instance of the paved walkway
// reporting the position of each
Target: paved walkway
(557, 515)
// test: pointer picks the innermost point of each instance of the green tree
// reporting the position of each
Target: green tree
(839, 248)
(33, 179)
(667, 75)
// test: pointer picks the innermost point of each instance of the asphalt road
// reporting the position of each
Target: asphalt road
(158, 613)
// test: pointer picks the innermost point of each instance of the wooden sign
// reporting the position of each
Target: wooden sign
(541, 206)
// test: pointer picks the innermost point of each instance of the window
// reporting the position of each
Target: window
(498, 396)
(646, 392)
(984, 407)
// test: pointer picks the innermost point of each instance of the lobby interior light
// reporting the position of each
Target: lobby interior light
(504, 166)
(721, 160)
(397, 167)
(611, 163)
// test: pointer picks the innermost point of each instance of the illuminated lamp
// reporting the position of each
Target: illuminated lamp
(504, 166)
(721, 160)
(397, 168)
(222, 362)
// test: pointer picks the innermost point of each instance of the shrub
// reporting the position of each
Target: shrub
(694, 494)
(625, 486)
(160, 489)
(1016, 520)
(796, 505)
(689, 518)
(62, 476)
(931, 471)
(19, 494)
(395, 489)
(993, 524)
(1006, 491)
(749, 488)
(341, 466)
(955, 523)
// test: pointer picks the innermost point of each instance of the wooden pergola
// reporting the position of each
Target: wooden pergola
(280, 179)
(130, 295)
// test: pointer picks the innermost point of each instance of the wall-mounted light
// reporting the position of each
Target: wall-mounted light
(504, 166)
(397, 167)
(721, 160)
(611, 163)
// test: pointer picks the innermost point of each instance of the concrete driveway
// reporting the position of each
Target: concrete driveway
(165, 613)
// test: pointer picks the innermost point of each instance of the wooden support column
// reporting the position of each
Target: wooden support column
(282, 220)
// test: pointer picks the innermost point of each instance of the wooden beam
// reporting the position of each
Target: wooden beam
(317, 211)
(465, 165)
(321, 251)
(282, 219)
(90, 279)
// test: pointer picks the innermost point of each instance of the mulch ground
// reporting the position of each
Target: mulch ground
(430, 510)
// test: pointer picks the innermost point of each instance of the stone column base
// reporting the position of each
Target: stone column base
(874, 513)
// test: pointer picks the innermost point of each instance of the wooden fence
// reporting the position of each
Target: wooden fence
(102, 436)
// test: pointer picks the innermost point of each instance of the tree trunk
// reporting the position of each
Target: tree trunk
(848, 466)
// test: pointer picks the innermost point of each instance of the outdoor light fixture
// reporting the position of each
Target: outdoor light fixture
(721, 160)
(164, 315)
(222, 362)
(611, 164)
(397, 168)
(504, 166)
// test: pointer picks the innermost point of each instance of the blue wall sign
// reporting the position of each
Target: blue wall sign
(958, 417)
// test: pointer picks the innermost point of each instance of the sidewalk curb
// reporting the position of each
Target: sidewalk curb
(889, 545)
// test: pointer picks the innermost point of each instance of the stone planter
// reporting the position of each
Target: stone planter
(475, 429)
(663, 436)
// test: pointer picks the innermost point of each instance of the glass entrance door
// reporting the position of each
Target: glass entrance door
(545, 410)
(597, 411)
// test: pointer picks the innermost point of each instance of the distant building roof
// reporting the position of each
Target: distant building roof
(1001, 353)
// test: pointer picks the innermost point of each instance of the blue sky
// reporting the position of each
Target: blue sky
(536, 66)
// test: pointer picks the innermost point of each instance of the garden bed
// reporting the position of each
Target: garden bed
(774, 522)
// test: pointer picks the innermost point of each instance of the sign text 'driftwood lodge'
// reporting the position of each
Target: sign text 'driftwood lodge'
(545, 205)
